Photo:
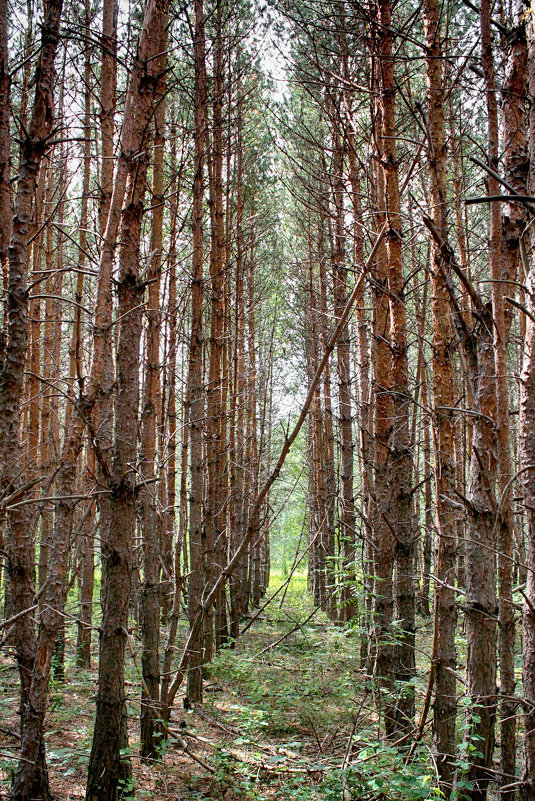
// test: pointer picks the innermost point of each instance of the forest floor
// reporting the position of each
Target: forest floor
(288, 714)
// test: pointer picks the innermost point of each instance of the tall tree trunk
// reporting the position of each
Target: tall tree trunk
(515, 166)
(340, 289)
(383, 541)
(195, 389)
(527, 473)
(105, 760)
(148, 468)
(400, 511)
(11, 376)
(443, 406)
(31, 779)
(251, 452)
(481, 604)
(215, 414)
(5, 142)
(238, 581)
(87, 550)
(329, 475)
(365, 439)
(171, 367)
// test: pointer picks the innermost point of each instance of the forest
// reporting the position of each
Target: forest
(267, 400)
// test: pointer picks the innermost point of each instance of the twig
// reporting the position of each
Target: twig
(502, 181)
(522, 308)
(523, 199)
(177, 737)
(11, 620)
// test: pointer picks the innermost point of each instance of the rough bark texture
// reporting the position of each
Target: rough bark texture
(5, 141)
(515, 167)
(195, 389)
(238, 581)
(343, 352)
(216, 469)
(148, 452)
(31, 779)
(527, 462)
(383, 540)
(87, 549)
(443, 421)
(105, 762)
(33, 148)
(481, 602)
(400, 500)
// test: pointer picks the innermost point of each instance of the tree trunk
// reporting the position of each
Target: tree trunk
(104, 777)
(400, 501)
(32, 778)
(515, 166)
(527, 473)
(5, 142)
(443, 420)
(150, 659)
(197, 531)
(347, 608)
(383, 541)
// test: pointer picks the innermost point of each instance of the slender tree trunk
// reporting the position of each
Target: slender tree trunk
(347, 500)
(86, 582)
(481, 603)
(238, 582)
(87, 549)
(383, 541)
(216, 490)
(365, 439)
(170, 515)
(11, 377)
(5, 142)
(328, 468)
(32, 779)
(515, 166)
(527, 473)
(251, 456)
(195, 389)
(443, 406)
(149, 519)
(400, 512)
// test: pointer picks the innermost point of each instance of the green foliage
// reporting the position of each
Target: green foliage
(385, 772)
(468, 751)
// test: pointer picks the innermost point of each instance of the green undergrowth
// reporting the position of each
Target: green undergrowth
(291, 715)
(306, 713)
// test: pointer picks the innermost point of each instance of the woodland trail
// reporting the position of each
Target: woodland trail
(287, 714)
